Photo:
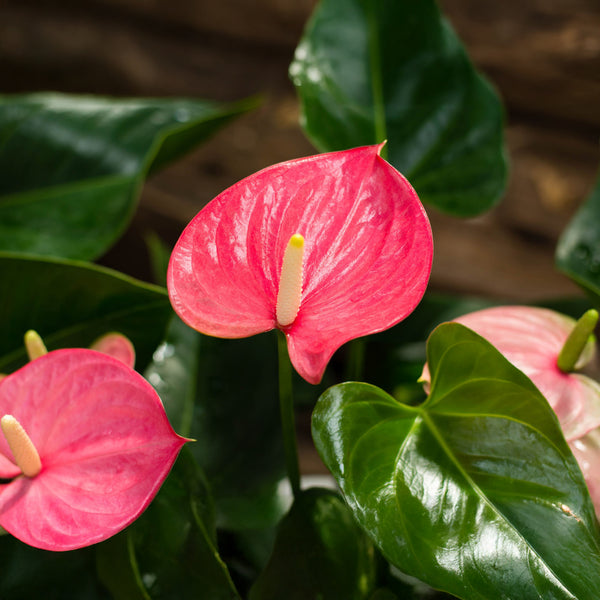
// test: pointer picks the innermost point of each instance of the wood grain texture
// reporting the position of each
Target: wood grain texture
(543, 57)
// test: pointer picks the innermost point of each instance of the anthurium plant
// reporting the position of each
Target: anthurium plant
(148, 445)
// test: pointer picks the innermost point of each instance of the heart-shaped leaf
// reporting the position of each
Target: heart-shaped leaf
(370, 71)
(73, 166)
(578, 250)
(71, 304)
(319, 552)
(475, 491)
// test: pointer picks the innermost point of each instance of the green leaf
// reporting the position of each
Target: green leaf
(319, 552)
(474, 492)
(73, 166)
(224, 394)
(31, 573)
(70, 304)
(373, 70)
(578, 250)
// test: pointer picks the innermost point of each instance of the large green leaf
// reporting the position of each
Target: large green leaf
(578, 251)
(72, 166)
(70, 304)
(475, 491)
(319, 552)
(170, 552)
(373, 70)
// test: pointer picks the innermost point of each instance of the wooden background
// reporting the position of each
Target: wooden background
(543, 56)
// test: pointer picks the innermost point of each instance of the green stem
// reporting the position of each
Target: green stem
(577, 340)
(286, 407)
(356, 360)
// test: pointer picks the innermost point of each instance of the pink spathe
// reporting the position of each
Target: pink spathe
(105, 445)
(116, 345)
(367, 258)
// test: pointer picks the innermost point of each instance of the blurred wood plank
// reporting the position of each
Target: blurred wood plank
(544, 58)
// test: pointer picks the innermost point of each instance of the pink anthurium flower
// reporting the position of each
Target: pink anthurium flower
(326, 248)
(534, 340)
(86, 445)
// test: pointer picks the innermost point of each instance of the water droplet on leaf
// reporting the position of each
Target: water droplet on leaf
(182, 115)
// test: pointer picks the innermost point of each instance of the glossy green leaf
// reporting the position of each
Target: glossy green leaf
(29, 573)
(474, 492)
(70, 304)
(369, 71)
(578, 251)
(73, 166)
(319, 552)
(224, 394)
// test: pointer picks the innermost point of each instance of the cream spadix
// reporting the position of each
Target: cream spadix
(24, 452)
(34, 345)
(290, 281)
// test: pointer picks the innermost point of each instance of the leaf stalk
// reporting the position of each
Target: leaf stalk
(286, 406)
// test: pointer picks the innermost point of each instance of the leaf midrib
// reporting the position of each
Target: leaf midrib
(483, 497)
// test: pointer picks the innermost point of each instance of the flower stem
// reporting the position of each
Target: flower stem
(356, 360)
(576, 342)
(286, 407)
